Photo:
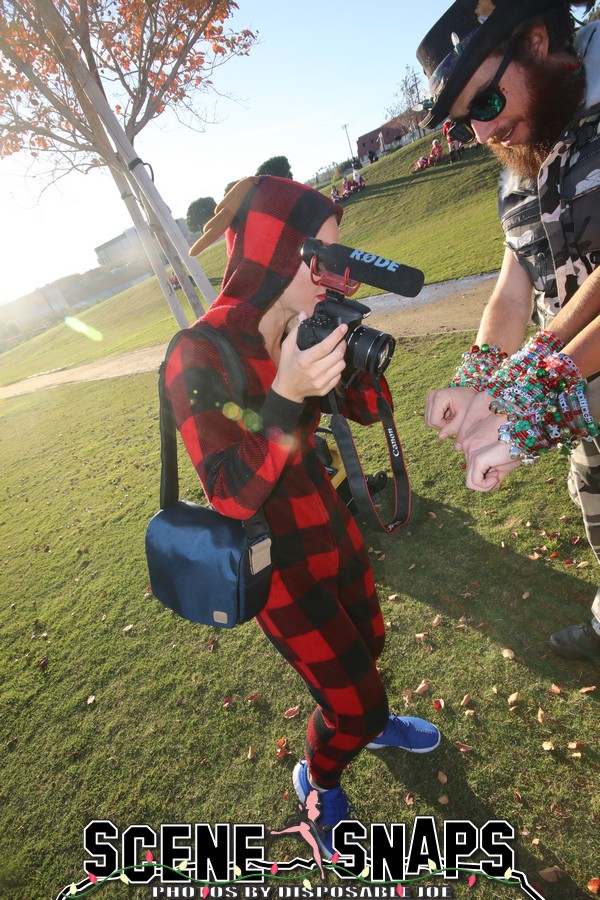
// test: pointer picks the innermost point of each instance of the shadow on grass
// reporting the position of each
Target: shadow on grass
(442, 561)
(467, 805)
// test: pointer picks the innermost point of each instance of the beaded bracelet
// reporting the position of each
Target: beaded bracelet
(519, 367)
(547, 408)
(478, 364)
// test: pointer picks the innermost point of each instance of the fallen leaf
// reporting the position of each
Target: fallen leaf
(412, 566)
(91, 699)
(421, 635)
(437, 621)
(43, 662)
(438, 704)
(518, 796)
(423, 687)
(575, 745)
(508, 654)
(283, 751)
(586, 690)
(576, 755)
(382, 557)
(514, 698)
(251, 753)
(548, 745)
(252, 698)
(494, 690)
(541, 716)
(227, 702)
(464, 748)
(444, 800)
(583, 564)
(409, 799)
(551, 874)
(442, 777)
(465, 700)
(469, 713)
(526, 595)
(555, 689)
(575, 540)
(432, 515)
(291, 713)
(594, 885)
(407, 697)
(127, 628)
(393, 597)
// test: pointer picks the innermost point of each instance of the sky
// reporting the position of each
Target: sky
(318, 65)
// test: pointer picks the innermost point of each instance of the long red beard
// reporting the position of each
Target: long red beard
(553, 97)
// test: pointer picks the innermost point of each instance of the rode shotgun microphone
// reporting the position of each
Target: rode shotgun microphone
(368, 268)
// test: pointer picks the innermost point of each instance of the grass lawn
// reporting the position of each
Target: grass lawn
(113, 708)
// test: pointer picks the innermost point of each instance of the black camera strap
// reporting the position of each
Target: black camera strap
(356, 477)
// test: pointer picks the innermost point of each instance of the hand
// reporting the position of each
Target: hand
(483, 432)
(312, 372)
(488, 467)
(478, 411)
(446, 408)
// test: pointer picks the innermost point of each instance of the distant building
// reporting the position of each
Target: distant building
(120, 250)
(385, 137)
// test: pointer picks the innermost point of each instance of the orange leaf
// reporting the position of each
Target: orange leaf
(442, 777)
(464, 748)
(586, 690)
(518, 796)
(438, 704)
(282, 742)
(555, 689)
(444, 800)
(409, 799)
(594, 885)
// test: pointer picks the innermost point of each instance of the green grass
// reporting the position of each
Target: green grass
(443, 221)
(156, 745)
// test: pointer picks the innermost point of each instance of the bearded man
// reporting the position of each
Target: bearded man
(518, 76)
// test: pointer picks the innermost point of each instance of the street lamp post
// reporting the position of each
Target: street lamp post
(345, 127)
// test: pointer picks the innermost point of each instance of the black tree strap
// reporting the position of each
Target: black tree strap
(358, 482)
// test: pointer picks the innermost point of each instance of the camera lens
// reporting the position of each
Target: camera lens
(370, 350)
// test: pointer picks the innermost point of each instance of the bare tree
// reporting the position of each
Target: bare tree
(407, 97)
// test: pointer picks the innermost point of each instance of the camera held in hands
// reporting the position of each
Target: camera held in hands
(368, 350)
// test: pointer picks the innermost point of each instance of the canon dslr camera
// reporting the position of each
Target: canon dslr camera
(337, 268)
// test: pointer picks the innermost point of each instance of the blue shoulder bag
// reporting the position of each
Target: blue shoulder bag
(206, 567)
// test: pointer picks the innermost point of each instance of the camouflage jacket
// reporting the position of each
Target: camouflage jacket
(524, 233)
(569, 182)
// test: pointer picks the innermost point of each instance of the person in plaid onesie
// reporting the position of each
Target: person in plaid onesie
(322, 613)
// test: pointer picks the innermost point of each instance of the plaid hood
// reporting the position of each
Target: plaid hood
(264, 238)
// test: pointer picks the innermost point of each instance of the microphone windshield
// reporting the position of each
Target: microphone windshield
(369, 268)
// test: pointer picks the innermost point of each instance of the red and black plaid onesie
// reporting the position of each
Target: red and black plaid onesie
(323, 613)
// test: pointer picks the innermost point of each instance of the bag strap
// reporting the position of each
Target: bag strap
(354, 471)
(169, 476)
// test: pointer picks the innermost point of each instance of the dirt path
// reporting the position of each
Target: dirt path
(439, 308)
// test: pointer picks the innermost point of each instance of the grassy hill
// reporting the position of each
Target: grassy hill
(442, 220)
(112, 708)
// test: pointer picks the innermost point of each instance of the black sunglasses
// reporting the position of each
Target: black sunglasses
(485, 106)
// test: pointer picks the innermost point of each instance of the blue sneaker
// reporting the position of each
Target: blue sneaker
(334, 807)
(408, 733)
